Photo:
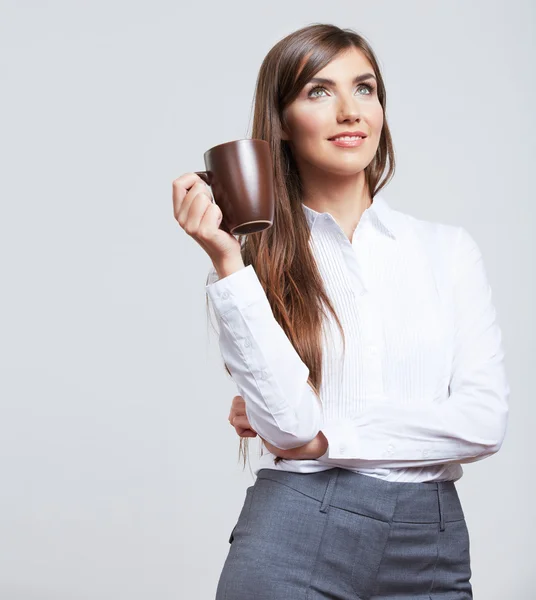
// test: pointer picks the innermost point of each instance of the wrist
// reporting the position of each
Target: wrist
(228, 266)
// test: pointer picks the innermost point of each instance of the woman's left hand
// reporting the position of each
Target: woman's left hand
(313, 449)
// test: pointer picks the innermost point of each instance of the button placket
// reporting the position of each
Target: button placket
(353, 268)
(372, 351)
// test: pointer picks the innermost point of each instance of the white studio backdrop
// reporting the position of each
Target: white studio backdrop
(119, 470)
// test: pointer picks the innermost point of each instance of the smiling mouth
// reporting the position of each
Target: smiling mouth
(352, 142)
(346, 138)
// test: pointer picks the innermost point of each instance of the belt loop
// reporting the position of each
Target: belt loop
(441, 512)
(329, 489)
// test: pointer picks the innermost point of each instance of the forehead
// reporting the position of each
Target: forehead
(346, 65)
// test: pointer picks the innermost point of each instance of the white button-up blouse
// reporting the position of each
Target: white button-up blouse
(422, 386)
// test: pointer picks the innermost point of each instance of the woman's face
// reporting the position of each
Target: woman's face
(323, 110)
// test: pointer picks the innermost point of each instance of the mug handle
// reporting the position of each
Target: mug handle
(204, 176)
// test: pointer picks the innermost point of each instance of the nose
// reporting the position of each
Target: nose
(348, 109)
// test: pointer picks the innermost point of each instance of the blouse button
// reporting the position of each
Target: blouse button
(225, 295)
(247, 343)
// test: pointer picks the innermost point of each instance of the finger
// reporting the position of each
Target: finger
(246, 432)
(242, 425)
(241, 421)
(209, 221)
(199, 208)
(192, 198)
(239, 403)
(240, 411)
(234, 414)
(180, 188)
(237, 413)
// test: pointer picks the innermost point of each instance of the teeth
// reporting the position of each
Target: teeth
(347, 137)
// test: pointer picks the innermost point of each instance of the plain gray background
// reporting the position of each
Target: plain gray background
(119, 470)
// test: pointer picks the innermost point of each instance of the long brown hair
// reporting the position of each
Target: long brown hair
(281, 255)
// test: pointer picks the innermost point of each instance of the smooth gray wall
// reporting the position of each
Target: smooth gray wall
(119, 469)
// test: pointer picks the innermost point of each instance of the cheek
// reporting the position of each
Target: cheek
(312, 124)
(376, 119)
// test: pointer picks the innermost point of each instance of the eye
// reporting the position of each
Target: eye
(321, 87)
(313, 89)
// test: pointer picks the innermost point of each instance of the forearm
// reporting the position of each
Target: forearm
(468, 425)
(464, 428)
(269, 373)
(309, 451)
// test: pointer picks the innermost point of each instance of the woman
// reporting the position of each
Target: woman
(366, 430)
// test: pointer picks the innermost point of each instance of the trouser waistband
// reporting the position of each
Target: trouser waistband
(420, 502)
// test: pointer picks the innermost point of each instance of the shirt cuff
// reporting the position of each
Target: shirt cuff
(237, 290)
(342, 439)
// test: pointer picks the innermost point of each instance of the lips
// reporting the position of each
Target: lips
(348, 134)
(355, 142)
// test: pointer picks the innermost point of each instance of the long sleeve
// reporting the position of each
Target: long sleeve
(280, 404)
(471, 423)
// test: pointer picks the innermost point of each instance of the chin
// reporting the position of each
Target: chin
(344, 170)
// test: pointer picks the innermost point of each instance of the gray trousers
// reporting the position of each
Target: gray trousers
(341, 535)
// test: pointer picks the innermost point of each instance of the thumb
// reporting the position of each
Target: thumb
(216, 214)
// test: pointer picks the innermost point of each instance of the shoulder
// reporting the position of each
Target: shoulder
(448, 243)
(430, 232)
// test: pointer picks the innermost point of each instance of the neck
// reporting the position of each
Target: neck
(345, 198)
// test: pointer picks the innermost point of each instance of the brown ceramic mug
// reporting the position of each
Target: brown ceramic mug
(241, 179)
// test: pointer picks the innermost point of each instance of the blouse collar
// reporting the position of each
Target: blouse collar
(388, 220)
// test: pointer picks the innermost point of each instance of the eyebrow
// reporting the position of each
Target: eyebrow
(331, 82)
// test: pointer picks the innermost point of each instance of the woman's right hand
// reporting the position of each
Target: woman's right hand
(238, 418)
(200, 217)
